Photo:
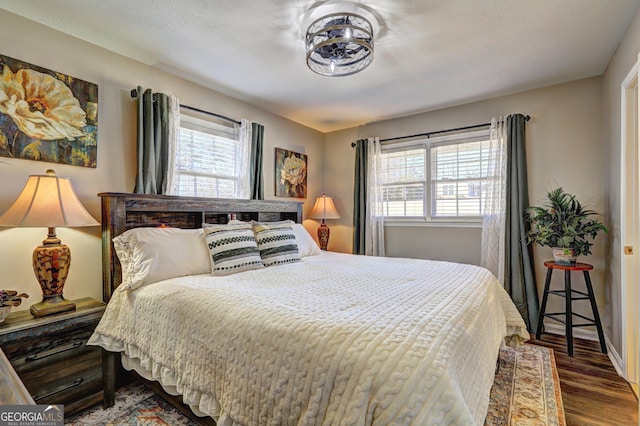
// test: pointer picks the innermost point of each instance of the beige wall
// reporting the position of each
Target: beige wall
(116, 76)
(619, 66)
(338, 183)
(564, 147)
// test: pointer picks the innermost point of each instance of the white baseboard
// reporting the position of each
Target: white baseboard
(615, 358)
(613, 355)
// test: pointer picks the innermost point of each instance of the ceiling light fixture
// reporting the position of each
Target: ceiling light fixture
(339, 44)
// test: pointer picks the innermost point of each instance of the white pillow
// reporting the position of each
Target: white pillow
(306, 244)
(148, 255)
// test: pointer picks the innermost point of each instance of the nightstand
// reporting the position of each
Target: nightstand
(51, 356)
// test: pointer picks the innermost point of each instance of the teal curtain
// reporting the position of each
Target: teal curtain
(256, 176)
(520, 278)
(153, 142)
(360, 197)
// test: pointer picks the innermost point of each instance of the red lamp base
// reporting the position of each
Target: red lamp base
(323, 236)
(51, 263)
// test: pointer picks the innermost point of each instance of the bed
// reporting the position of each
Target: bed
(329, 339)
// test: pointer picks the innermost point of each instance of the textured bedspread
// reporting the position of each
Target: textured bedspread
(334, 339)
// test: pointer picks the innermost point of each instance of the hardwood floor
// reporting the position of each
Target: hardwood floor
(592, 391)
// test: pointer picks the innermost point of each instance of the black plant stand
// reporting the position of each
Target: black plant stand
(570, 295)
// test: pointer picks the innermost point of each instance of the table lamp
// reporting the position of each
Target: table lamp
(49, 200)
(324, 209)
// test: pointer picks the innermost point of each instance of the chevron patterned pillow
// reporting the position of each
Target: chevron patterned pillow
(276, 242)
(233, 249)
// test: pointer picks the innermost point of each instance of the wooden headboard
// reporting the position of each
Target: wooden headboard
(123, 211)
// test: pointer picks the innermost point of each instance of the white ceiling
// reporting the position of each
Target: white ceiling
(429, 54)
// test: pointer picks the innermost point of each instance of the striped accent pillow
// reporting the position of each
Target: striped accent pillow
(276, 242)
(233, 249)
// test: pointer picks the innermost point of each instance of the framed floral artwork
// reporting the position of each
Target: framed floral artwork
(46, 115)
(291, 174)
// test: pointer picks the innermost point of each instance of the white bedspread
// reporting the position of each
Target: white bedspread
(334, 339)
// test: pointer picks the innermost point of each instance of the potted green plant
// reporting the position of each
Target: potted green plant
(564, 225)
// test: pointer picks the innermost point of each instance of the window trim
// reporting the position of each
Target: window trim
(436, 223)
(427, 143)
(205, 126)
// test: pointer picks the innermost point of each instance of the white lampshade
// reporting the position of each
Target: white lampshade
(47, 200)
(324, 209)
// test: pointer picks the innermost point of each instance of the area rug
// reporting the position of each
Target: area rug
(526, 392)
(135, 404)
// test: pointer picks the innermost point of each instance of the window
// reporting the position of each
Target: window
(436, 178)
(448, 190)
(475, 190)
(209, 159)
(404, 182)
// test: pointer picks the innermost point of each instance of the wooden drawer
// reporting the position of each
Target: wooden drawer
(67, 380)
(51, 356)
(43, 350)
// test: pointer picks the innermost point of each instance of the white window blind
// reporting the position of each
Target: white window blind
(436, 179)
(404, 182)
(208, 159)
(458, 174)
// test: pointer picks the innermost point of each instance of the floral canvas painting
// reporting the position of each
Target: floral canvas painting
(46, 115)
(291, 174)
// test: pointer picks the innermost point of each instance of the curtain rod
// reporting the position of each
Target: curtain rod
(437, 132)
(134, 94)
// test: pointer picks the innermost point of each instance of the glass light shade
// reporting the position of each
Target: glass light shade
(47, 200)
(339, 44)
(324, 209)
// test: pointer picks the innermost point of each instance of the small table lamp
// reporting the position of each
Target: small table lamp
(48, 200)
(324, 209)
